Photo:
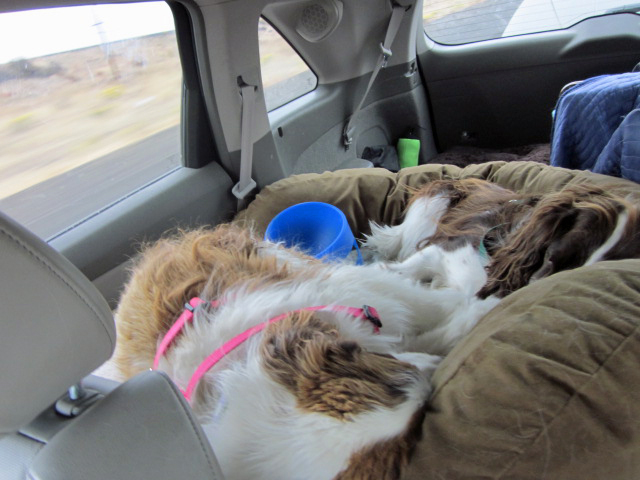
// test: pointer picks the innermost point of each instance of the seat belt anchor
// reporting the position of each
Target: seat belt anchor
(386, 54)
(241, 193)
(347, 136)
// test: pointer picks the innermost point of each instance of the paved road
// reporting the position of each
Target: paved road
(483, 21)
(49, 207)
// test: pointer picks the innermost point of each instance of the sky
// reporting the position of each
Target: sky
(41, 32)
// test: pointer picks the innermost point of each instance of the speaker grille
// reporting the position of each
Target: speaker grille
(314, 19)
(318, 19)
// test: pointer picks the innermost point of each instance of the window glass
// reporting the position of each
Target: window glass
(455, 22)
(89, 109)
(285, 76)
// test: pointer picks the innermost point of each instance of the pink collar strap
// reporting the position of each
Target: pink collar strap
(365, 313)
(176, 328)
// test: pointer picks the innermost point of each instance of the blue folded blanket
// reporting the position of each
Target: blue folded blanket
(597, 126)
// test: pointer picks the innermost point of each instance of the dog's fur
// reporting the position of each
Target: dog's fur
(315, 395)
(479, 237)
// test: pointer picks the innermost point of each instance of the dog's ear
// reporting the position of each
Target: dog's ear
(525, 251)
(562, 233)
(328, 374)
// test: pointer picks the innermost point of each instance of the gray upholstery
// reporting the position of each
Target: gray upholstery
(45, 301)
(56, 328)
(157, 438)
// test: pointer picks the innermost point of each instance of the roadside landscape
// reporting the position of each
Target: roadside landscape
(63, 110)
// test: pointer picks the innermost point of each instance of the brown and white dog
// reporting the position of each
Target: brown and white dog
(319, 393)
(478, 237)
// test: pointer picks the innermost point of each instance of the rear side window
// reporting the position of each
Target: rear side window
(456, 22)
(90, 101)
(285, 76)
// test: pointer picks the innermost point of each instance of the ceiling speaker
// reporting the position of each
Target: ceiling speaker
(318, 19)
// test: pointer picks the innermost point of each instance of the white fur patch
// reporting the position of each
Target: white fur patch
(263, 434)
(611, 242)
(398, 243)
(461, 269)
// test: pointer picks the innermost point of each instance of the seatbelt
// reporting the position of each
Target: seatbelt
(397, 15)
(245, 183)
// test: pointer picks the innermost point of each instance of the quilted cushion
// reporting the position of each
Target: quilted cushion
(547, 385)
(587, 116)
(621, 155)
(379, 195)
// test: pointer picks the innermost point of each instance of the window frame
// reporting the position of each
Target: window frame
(196, 134)
(283, 37)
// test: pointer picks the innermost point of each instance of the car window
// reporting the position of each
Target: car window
(90, 101)
(455, 22)
(285, 76)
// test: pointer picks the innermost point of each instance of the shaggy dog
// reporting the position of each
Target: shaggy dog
(478, 237)
(295, 376)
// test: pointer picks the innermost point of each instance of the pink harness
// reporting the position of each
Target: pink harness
(366, 313)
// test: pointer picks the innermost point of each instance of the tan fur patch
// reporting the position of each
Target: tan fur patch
(203, 262)
(329, 375)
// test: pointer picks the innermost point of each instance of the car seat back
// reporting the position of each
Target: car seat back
(55, 329)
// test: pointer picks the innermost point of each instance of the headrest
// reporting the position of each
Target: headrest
(55, 327)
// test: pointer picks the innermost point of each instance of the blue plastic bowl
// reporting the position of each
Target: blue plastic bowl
(319, 229)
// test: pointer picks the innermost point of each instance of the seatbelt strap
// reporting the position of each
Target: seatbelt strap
(397, 14)
(245, 183)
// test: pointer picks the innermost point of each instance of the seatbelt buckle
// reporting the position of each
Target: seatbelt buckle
(371, 314)
(240, 193)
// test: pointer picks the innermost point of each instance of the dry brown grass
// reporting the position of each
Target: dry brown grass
(93, 106)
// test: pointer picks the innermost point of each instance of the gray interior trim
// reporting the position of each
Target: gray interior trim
(206, 81)
(187, 197)
(396, 102)
(594, 36)
(361, 28)
(235, 51)
(129, 434)
(111, 283)
(500, 93)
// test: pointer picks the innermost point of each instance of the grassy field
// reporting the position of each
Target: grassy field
(63, 110)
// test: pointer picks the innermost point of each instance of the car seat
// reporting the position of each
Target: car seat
(55, 329)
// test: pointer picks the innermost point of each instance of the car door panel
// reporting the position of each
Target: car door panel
(501, 93)
(308, 131)
(102, 245)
